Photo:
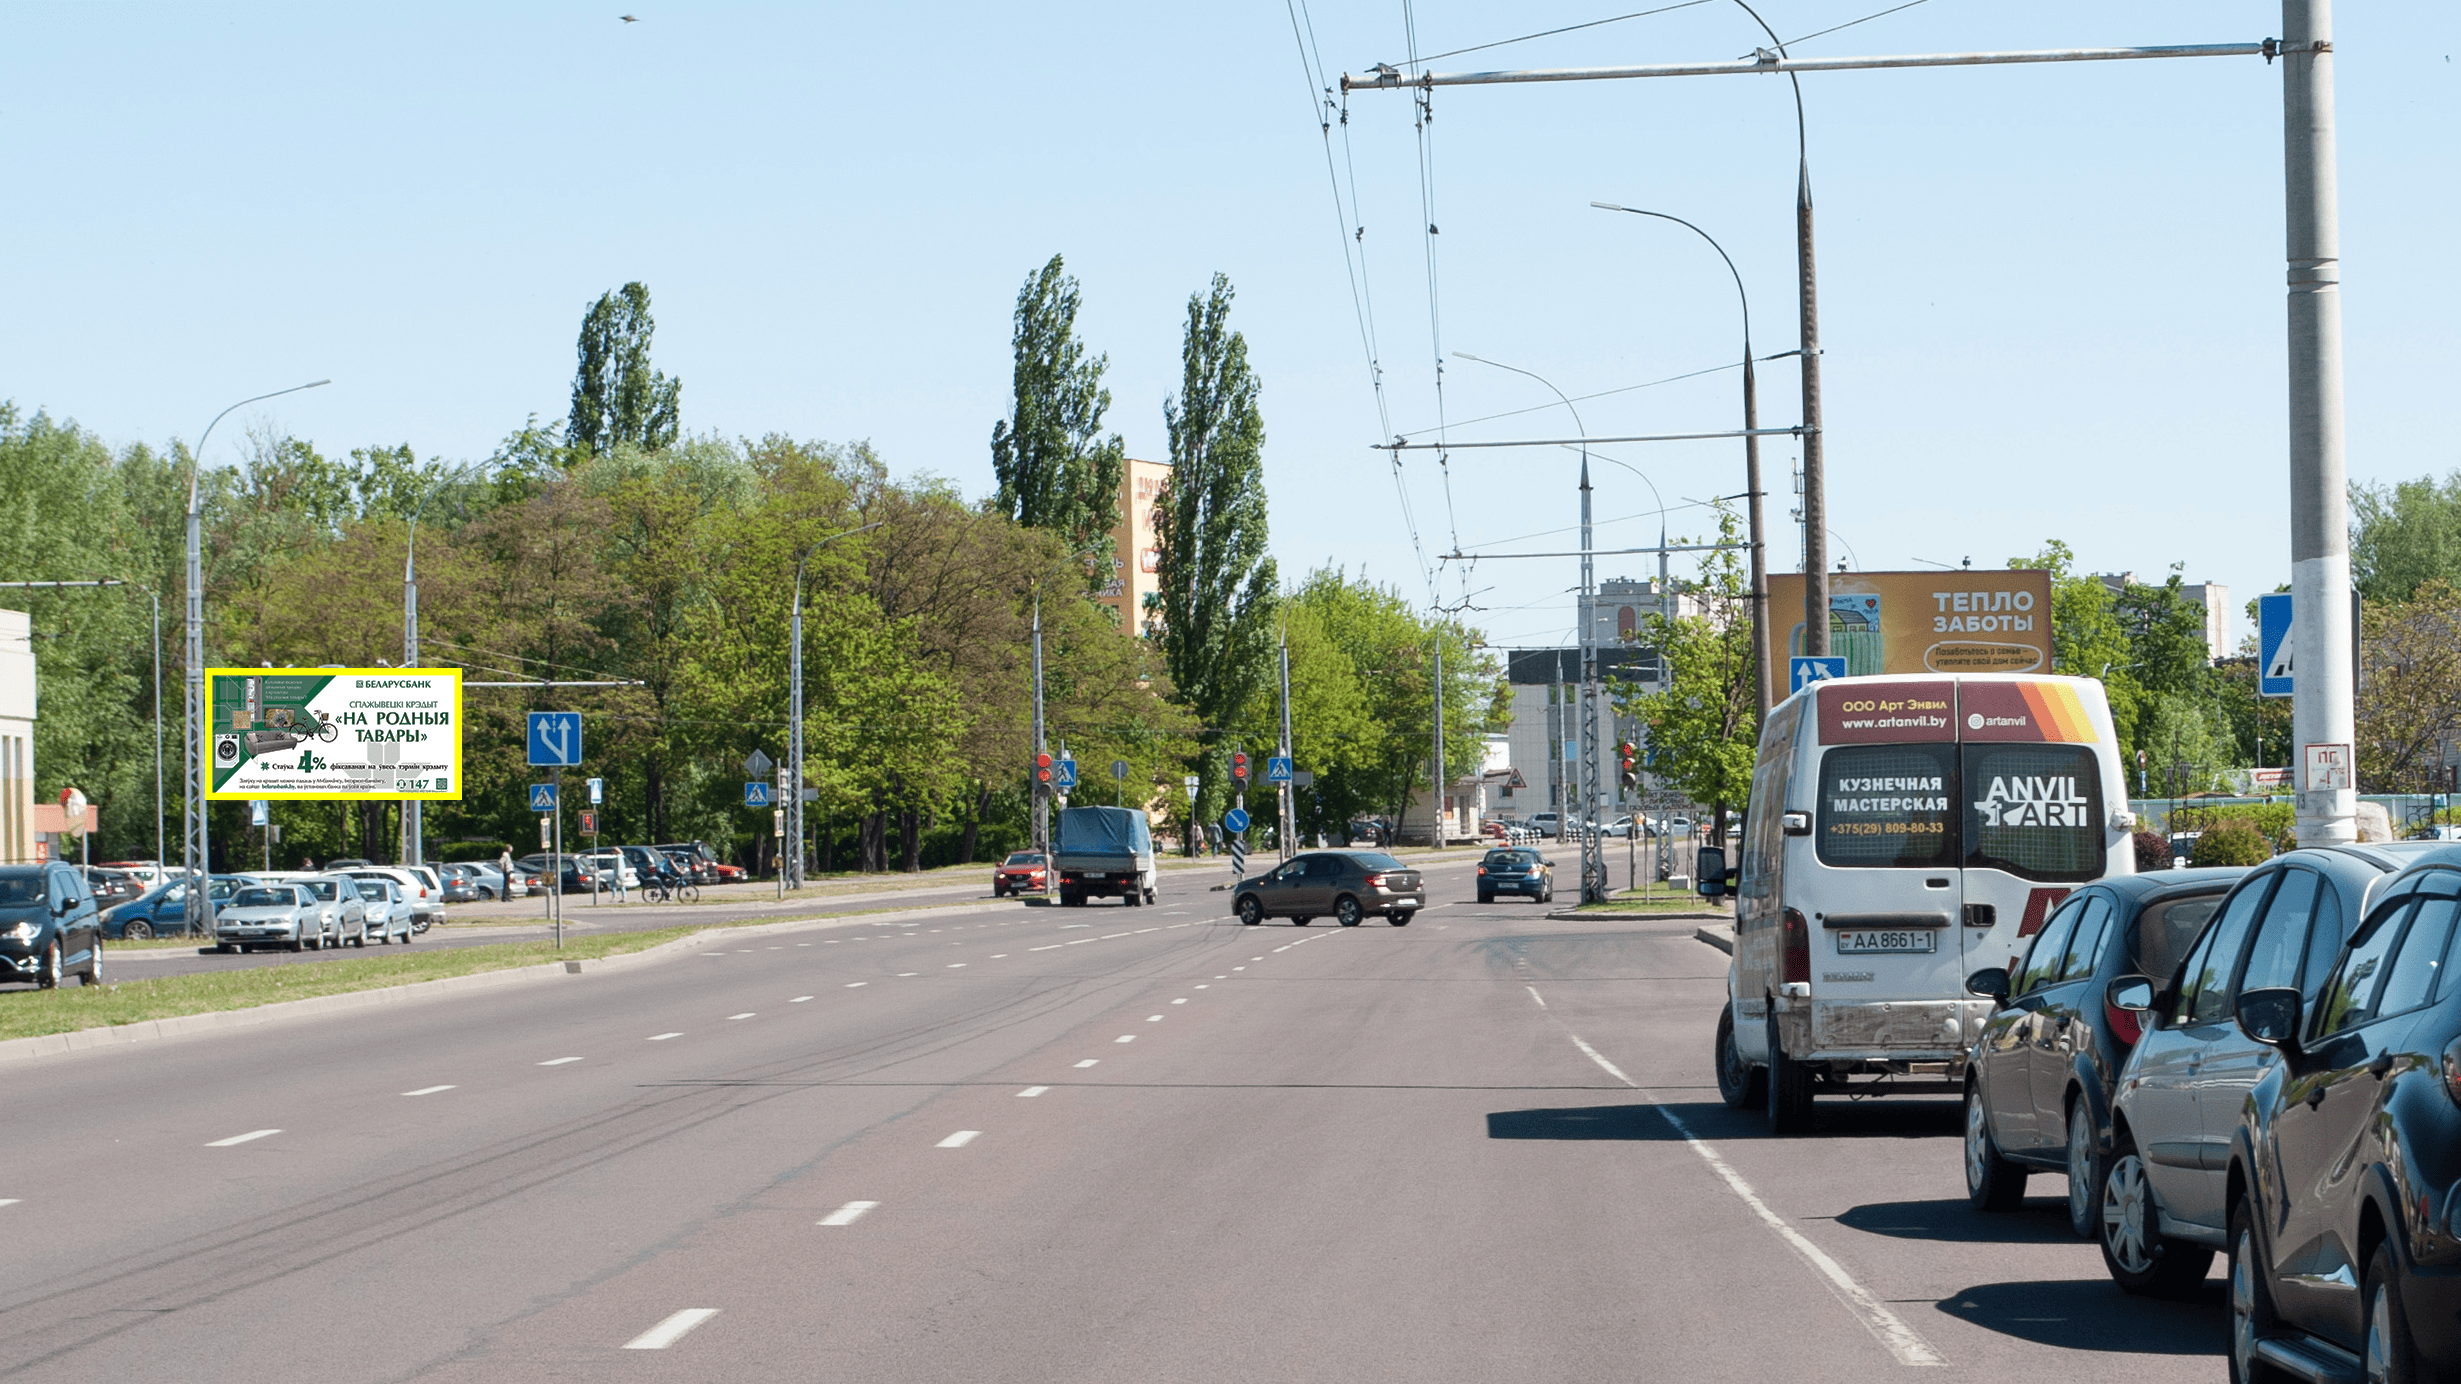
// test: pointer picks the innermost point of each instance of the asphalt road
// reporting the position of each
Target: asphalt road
(1029, 1144)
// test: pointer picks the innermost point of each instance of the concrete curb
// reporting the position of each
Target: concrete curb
(287, 1011)
(1576, 916)
(1724, 944)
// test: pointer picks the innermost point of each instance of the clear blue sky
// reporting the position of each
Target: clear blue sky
(2052, 296)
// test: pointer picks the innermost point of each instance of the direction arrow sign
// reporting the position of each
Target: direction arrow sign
(1805, 671)
(1064, 774)
(555, 737)
(757, 765)
(1277, 768)
(1235, 820)
(542, 797)
(756, 794)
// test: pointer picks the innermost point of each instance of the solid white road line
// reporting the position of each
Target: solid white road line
(1089, 1062)
(960, 1139)
(427, 1090)
(1028, 1091)
(848, 1214)
(241, 1138)
(1902, 1341)
(733, 1017)
(1542, 1000)
(661, 1037)
(558, 1061)
(668, 1332)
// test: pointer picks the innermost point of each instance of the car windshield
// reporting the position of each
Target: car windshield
(1377, 860)
(1025, 858)
(262, 897)
(17, 890)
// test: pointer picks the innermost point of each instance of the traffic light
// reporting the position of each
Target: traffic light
(1042, 770)
(1239, 765)
(1629, 753)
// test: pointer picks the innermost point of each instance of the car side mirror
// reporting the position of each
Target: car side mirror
(2133, 994)
(2271, 1016)
(1712, 870)
(1795, 823)
(1991, 982)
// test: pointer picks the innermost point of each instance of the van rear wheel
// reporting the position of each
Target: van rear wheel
(1739, 1082)
(1789, 1089)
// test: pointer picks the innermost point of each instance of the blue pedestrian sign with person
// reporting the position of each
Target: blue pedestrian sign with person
(1235, 820)
(756, 794)
(542, 797)
(2273, 626)
(1277, 768)
(1808, 670)
(555, 737)
(1064, 774)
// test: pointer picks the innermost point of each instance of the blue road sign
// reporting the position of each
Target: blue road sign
(756, 794)
(1235, 820)
(1805, 671)
(2273, 644)
(1277, 768)
(1063, 774)
(555, 737)
(542, 797)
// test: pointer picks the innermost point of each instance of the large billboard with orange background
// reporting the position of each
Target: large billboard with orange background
(1921, 622)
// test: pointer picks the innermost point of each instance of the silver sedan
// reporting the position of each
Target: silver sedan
(270, 915)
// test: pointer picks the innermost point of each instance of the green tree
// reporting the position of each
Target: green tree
(1704, 724)
(1217, 580)
(617, 397)
(2410, 670)
(2087, 639)
(2404, 535)
(1056, 470)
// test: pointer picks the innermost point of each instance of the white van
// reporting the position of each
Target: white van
(1903, 833)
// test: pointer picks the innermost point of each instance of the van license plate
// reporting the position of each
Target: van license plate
(1850, 943)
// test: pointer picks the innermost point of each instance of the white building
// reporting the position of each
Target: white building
(2212, 595)
(17, 709)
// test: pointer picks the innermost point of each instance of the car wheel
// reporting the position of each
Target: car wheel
(1992, 1183)
(359, 939)
(94, 963)
(1302, 919)
(224, 948)
(1399, 917)
(2390, 1358)
(2084, 1169)
(48, 976)
(1132, 899)
(1789, 1089)
(1346, 910)
(2139, 1258)
(1739, 1082)
(1250, 911)
(486, 895)
(1149, 897)
(2251, 1301)
(136, 932)
(297, 944)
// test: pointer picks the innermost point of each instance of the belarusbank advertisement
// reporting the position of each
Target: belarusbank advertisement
(334, 732)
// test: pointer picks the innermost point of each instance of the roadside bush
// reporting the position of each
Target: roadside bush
(2233, 843)
(2152, 852)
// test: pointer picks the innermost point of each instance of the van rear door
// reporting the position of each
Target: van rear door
(2034, 815)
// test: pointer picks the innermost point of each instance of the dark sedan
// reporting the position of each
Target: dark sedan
(163, 910)
(2345, 1241)
(2038, 1085)
(1347, 885)
(1517, 871)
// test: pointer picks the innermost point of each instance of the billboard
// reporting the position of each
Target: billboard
(334, 733)
(1922, 622)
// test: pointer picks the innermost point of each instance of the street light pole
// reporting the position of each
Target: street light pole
(194, 858)
(794, 706)
(1751, 463)
(413, 847)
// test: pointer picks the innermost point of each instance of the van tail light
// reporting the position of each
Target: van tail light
(2452, 1071)
(2125, 1024)
(1795, 947)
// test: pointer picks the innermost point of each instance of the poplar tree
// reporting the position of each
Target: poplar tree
(1055, 468)
(617, 397)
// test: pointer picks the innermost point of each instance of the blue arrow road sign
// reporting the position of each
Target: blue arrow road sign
(1277, 768)
(555, 737)
(1806, 671)
(756, 794)
(1235, 820)
(542, 797)
(1063, 774)
(2273, 644)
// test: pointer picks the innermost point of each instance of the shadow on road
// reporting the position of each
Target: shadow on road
(1635, 1122)
(2093, 1314)
(1951, 1221)
(1897, 1119)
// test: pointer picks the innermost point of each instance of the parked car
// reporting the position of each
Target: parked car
(348, 862)
(574, 877)
(1347, 885)
(150, 874)
(487, 878)
(112, 886)
(611, 866)
(1024, 872)
(49, 926)
(388, 912)
(2166, 1193)
(691, 867)
(650, 865)
(163, 911)
(698, 859)
(460, 885)
(1548, 824)
(729, 874)
(344, 907)
(422, 896)
(1516, 871)
(2345, 1241)
(2039, 1079)
(270, 915)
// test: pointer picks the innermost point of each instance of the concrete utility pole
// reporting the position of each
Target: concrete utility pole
(1593, 851)
(1285, 798)
(1042, 804)
(413, 847)
(1436, 818)
(793, 805)
(2321, 711)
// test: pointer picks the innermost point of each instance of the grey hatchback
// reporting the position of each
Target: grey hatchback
(1346, 884)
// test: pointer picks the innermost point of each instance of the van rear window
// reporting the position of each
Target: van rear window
(1888, 805)
(2034, 811)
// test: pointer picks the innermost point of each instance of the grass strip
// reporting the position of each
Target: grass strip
(34, 1013)
(1656, 903)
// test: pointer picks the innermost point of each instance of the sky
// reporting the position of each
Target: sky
(2051, 297)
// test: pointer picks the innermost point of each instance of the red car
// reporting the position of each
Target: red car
(730, 874)
(1022, 873)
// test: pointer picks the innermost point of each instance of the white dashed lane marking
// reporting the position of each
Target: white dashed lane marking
(427, 1090)
(241, 1138)
(800, 999)
(1089, 1062)
(960, 1139)
(1125, 1038)
(1183, 1001)
(848, 1214)
(1153, 1018)
(856, 984)
(662, 1037)
(668, 1332)
(732, 1017)
(1028, 1091)
(558, 1061)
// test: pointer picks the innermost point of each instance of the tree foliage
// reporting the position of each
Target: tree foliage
(1056, 470)
(2409, 704)
(2404, 535)
(1704, 724)
(617, 397)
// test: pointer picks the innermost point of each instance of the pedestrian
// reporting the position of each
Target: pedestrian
(504, 872)
(621, 896)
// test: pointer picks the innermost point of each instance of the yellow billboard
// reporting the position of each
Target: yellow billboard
(1921, 622)
(334, 733)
